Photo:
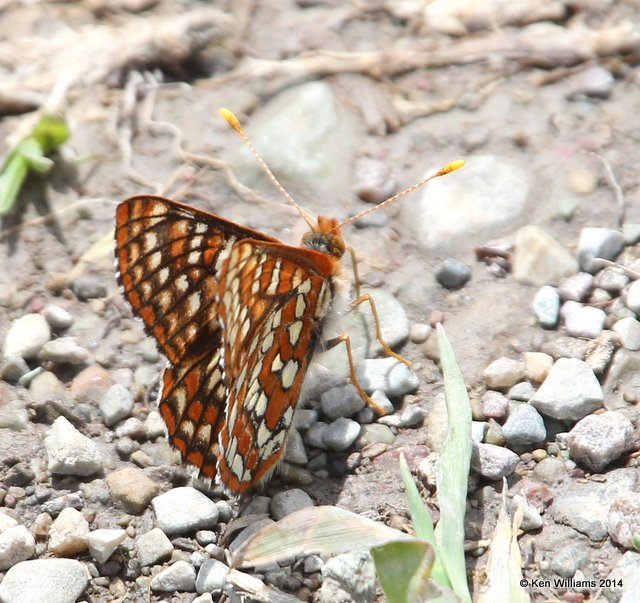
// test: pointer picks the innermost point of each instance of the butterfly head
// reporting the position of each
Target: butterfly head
(325, 237)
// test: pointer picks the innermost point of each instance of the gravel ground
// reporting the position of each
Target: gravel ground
(348, 104)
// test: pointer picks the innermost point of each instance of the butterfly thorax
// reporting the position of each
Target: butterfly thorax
(325, 237)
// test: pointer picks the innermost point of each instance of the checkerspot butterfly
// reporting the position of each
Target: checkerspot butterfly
(237, 313)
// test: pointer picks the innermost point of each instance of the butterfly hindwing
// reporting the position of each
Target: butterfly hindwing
(272, 301)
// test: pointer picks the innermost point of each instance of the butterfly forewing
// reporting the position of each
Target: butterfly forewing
(273, 298)
(167, 256)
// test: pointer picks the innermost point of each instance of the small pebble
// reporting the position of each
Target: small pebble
(16, 544)
(629, 331)
(116, 404)
(373, 180)
(26, 336)
(64, 350)
(181, 576)
(632, 298)
(596, 82)
(341, 401)
(493, 462)
(58, 318)
(387, 374)
(68, 534)
(453, 274)
(419, 332)
(537, 365)
(183, 510)
(153, 547)
(295, 451)
(612, 280)
(211, 577)
(524, 427)
(340, 434)
(503, 373)
(570, 391)
(132, 489)
(103, 543)
(88, 287)
(585, 321)
(624, 519)
(494, 405)
(598, 440)
(595, 243)
(545, 306)
(70, 452)
(349, 577)
(289, 501)
(521, 392)
(577, 287)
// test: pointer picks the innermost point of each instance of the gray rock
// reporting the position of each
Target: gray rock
(341, 401)
(259, 505)
(340, 434)
(132, 489)
(348, 578)
(376, 433)
(524, 427)
(16, 544)
(313, 564)
(598, 243)
(50, 580)
(64, 350)
(184, 510)
(89, 286)
(522, 392)
(373, 180)
(596, 82)
(570, 391)
(132, 428)
(545, 306)
(320, 152)
(289, 501)
(295, 451)
(494, 405)
(612, 280)
(295, 475)
(624, 579)
(503, 373)
(467, 206)
(154, 425)
(478, 430)
(13, 415)
(584, 505)
(531, 518)
(116, 404)
(631, 233)
(315, 435)
(412, 416)
(632, 298)
(453, 274)
(550, 470)
(304, 418)
(152, 547)
(629, 331)
(225, 511)
(539, 259)
(26, 336)
(577, 287)
(212, 576)
(69, 452)
(58, 318)
(598, 440)
(387, 374)
(102, 543)
(583, 321)
(493, 462)
(68, 533)
(180, 576)
(568, 559)
(13, 369)
(624, 519)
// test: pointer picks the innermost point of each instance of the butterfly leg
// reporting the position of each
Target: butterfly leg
(376, 320)
(352, 372)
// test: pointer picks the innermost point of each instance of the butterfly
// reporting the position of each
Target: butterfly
(238, 315)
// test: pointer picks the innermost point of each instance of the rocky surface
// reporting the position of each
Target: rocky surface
(94, 505)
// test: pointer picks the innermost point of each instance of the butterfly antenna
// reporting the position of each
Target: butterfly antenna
(233, 121)
(447, 169)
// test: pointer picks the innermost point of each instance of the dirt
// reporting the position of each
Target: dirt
(480, 91)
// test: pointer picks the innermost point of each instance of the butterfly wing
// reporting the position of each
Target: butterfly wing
(272, 301)
(168, 256)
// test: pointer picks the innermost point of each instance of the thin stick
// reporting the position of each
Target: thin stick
(617, 189)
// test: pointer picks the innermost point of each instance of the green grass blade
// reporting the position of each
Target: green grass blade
(452, 471)
(12, 176)
(328, 530)
(403, 569)
(421, 519)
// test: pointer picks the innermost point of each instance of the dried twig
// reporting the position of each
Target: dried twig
(617, 189)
